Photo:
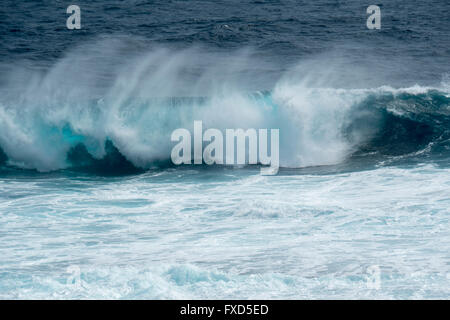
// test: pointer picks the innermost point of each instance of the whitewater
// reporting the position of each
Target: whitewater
(92, 208)
(210, 234)
(91, 205)
(69, 117)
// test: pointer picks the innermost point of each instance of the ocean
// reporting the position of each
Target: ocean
(91, 205)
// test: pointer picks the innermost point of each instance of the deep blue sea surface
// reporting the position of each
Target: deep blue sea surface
(92, 207)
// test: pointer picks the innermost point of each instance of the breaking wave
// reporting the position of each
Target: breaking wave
(113, 117)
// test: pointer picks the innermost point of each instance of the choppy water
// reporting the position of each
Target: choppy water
(90, 206)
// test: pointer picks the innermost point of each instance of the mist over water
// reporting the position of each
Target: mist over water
(99, 93)
(88, 191)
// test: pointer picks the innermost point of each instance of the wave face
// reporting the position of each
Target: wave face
(406, 124)
(112, 117)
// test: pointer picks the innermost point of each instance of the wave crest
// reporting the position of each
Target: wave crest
(122, 122)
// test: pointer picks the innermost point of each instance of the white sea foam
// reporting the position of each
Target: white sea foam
(98, 92)
(227, 234)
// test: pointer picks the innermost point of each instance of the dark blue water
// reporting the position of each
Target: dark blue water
(414, 34)
(92, 207)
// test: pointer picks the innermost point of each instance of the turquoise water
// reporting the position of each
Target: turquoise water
(91, 205)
